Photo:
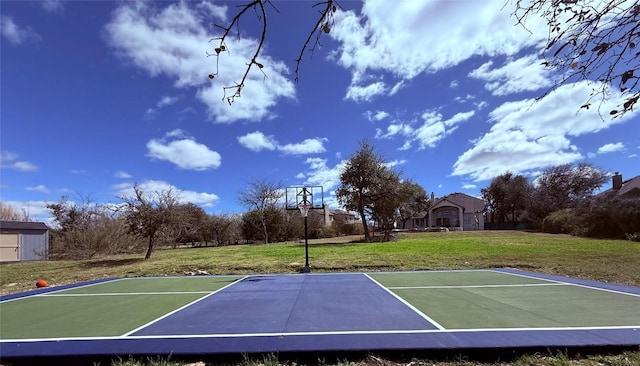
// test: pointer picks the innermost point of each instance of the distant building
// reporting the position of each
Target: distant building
(625, 189)
(456, 211)
(23, 241)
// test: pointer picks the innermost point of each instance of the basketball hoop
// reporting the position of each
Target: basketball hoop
(304, 208)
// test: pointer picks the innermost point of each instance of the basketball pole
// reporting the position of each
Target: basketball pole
(306, 268)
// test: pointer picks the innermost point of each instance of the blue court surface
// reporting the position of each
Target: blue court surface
(382, 311)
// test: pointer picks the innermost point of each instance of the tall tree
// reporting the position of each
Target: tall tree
(591, 40)
(560, 187)
(417, 202)
(263, 196)
(363, 182)
(507, 195)
(146, 213)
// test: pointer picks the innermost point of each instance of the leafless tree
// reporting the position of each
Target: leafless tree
(323, 25)
(593, 41)
(262, 196)
(10, 213)
(146, 213)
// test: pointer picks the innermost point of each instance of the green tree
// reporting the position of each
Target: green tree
(507, 195)
(416, 203)
(359, 182)
(562, 186)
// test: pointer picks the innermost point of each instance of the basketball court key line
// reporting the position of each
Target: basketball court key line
(181, 308)
(420, 313)
(571, 284)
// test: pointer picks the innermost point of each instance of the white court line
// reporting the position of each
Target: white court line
(474, 286)
(327, 333)
(62, 289)
(180, 308)
(126, 293)
(425, 316)
(570, 283)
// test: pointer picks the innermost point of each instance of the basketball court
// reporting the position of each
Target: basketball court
(425, 310)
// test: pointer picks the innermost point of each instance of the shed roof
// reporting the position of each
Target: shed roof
(23, 225)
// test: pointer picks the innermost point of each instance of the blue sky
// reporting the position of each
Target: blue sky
(99, 95)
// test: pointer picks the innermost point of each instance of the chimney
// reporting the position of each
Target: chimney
(617, 181)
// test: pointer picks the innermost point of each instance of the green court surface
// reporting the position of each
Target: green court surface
(311, 312)
(105, 309)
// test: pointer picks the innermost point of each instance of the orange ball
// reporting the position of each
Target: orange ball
(42, 283)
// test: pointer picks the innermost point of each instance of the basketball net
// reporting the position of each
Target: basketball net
(304, 208)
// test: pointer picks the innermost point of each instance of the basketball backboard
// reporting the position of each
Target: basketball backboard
(296, 195)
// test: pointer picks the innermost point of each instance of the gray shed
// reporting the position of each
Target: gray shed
(23, 241)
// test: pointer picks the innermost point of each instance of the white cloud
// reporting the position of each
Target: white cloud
(166, 100)
(469, 186)
(453, 84)
(522, 74)
(308, 146)
(168, 40)
(152, 186)
(186, 153)
(39, 188)
(383, 38)
(360, 93)
(529, 135)
(53, 6)
(15, 33)
(376, 116)
(613, 147)
(123, 175)
(9, 160)
(432, 130)
(257, 141)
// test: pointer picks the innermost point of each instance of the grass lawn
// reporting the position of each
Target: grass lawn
(615, 261)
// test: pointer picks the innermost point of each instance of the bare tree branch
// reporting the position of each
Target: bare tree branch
(323, 25)
(596, 42)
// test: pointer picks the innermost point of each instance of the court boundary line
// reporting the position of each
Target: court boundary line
(406, 303)
(325, 333)
(474, 286)
(125, 294)
(53, 290)
(127, 334)
(564, 282)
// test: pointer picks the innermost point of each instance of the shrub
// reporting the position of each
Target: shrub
(560, 222)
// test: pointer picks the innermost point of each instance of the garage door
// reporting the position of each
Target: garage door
(9, 248)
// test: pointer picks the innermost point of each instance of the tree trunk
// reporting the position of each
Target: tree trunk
(150, 248)
(365, 226)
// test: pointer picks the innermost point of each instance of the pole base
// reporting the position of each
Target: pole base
(306, 269)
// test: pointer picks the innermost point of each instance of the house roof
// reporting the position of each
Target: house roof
(468, 203)
(23, 225)
(627, 186)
